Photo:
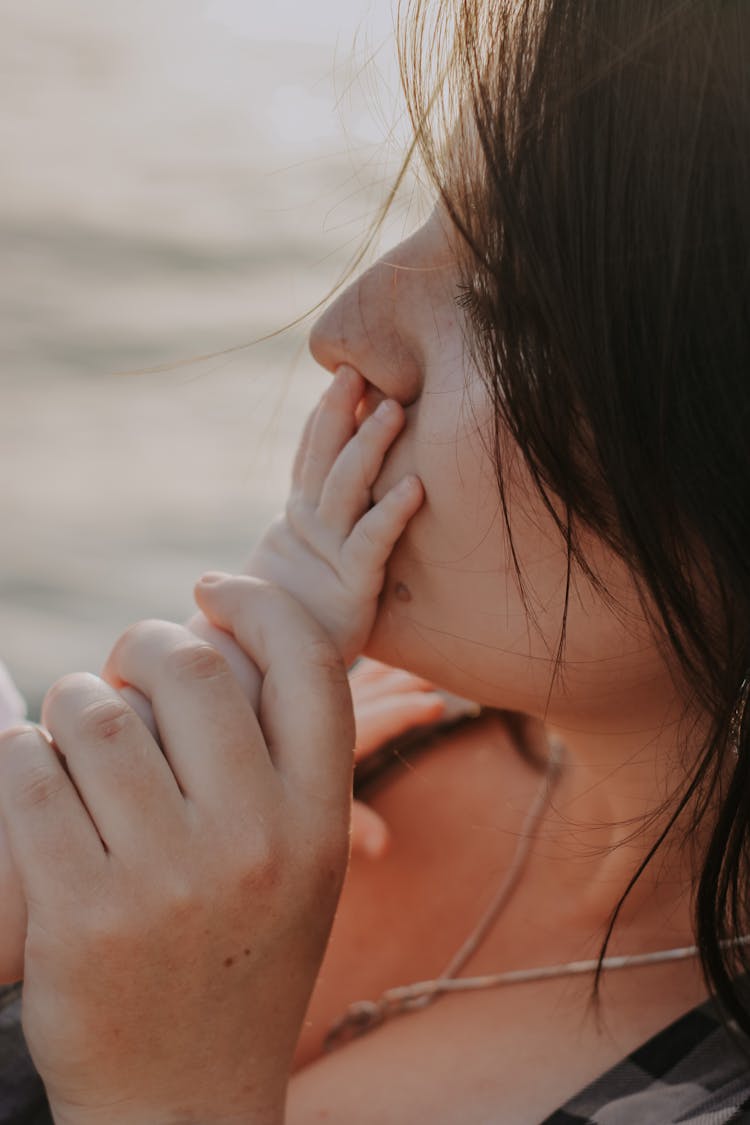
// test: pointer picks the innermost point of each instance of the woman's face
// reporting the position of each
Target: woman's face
(451, 608)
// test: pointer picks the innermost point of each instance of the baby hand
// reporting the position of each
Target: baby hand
(329, 549)
(388, 703)
(330, 546)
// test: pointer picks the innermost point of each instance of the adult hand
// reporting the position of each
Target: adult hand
(180, 902)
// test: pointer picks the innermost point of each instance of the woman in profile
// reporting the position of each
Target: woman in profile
(563, 910)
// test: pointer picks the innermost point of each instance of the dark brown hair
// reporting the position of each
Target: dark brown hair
(599, 173)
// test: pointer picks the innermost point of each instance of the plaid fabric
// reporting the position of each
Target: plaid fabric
(22, 1097)
(691, 1073)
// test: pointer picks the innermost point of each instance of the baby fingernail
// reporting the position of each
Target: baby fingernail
(386, 408)
(375, 842)
(213, 576)
(407, 485)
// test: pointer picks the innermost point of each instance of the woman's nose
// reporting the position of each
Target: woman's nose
(332, 341)
(366, 327)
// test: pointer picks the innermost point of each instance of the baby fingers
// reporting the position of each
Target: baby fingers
(346, 494)
(366, 551)
(369, 832)
(331, 425)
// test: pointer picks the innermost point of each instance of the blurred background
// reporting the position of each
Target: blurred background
(178, 178)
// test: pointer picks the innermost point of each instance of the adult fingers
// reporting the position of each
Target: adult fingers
(208, 730)
(116, 765)
(306, 710)
(138, 703)
(241, 667)
(53, 839)
(346, 492)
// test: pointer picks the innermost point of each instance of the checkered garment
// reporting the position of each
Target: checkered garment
(22, 1097)
(691, 1073)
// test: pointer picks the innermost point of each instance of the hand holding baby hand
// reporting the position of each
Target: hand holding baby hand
(180, 897)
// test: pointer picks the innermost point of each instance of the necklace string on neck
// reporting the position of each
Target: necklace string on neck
(364, 1015)
(507, 888)
(367, 1014)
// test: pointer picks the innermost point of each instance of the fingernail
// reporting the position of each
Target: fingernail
(212, 577)
(386, 408)
(407, 485)
(375, 844)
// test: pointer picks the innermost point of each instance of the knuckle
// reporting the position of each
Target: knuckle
(180, 901)
(258, 869)
(105, 720)
(21, 736)
(196, 662)
(103, 932)
(38, 786)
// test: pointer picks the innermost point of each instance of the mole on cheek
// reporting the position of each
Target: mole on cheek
(402, 592)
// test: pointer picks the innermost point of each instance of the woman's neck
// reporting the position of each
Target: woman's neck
(616, 795)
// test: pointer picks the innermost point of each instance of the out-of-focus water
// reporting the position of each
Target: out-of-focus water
(171, 186)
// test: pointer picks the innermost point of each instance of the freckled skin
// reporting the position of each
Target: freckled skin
(452, 609)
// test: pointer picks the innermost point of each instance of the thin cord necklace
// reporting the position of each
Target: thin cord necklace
(364, 1015)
